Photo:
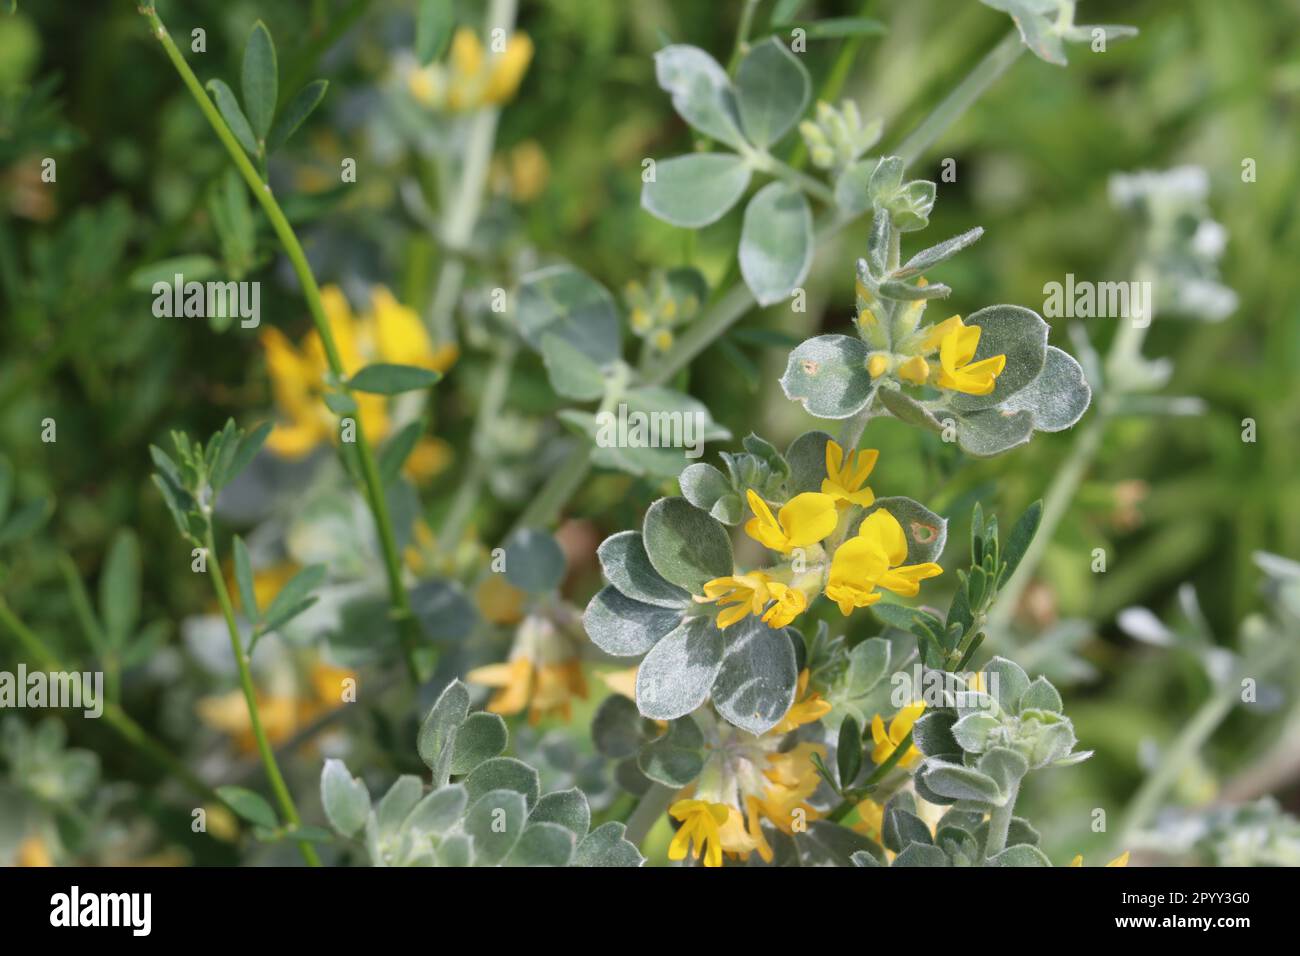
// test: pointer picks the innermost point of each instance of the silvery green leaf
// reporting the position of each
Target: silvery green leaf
(1007, 682)
(827, 375)
(481, 737)
(438, 731)
(504, 773)
(618, 729)
(910, 208)
(605, 846)
(1041, 695)
(807, 459)
(921, 854)
(229, 109)
(685, 545)
(622, 627)
(1018, 333)
(976, 702)
(1051, 742)
(829, 844)
(445, 613)
(654, 431)
(972, 732)
(958, 845)
(961, 819)
(1079, 756)
(571, 371)
(675, 758)
(566, 302)
(868, 664)
(1022, 854)
(956, 782)
(495, 822)
(630, 778)
(926, 532)
(1058, 397)
(907, 409)
(709, 490)
(455, 850)
(932, 734)
(886, 179)
(567, 808)
(776, 242)
(900, 828)
(396, 805)
(344, 798)
(756, 686)
(929, 258)
(901, 291)
(1003, 766)
(695, 190)
(701, 91)
(260, 80)
(677, 674)
(627, 566)
(534, 561)
(543, 844)
(863, 858)
(991, 431)
(1037, 28)
(852, 193)
(772, 92)
(437, 811)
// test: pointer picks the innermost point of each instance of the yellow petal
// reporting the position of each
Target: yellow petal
(883, 530)
(808, 518)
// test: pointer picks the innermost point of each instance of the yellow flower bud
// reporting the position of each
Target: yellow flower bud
(877, 364)
(915, 370)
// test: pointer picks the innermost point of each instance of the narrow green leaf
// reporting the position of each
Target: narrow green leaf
(386, 379)
(848, 752)
(244, 580)
(249, 805)
(433, 27)
(260, 80)
(397, 449)
(119, 588)
(229, 109)
(294, 597)
(295, 113)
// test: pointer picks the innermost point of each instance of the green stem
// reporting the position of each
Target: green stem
(834, 81)
(402, 613)
(986, 72)
(742, 35)
(653, 805)
(278, 786)
(113, 715)
(854, 795)
(793, 177)
(1000, 824)
(468, 203)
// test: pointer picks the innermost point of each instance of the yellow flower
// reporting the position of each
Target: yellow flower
(875, 559)
(701, 823)
(522, 173)
(282, 714)
(499, 601)
(957, 344)
(473, 78)
(741, 595)
(807, 708)
(915, 370)
(32, 852)
(544, 672)
(846, 477)
(803, 520)
(621, 681)
(877, 364)
(1121, 860)
(871, 818)
(428, 459)
(391, 332)
(899, 728)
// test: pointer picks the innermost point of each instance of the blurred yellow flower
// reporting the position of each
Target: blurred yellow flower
(390, 332)
(808, 707)
(473, 77)
(1121, 860)
(32, 852)
(888, 741)
(543, 674)
(282, 714)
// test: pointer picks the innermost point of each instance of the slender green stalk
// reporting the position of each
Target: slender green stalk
(1000, 824)
(113, 715)
(467, 203)
(402, 613)
(742, 34)
(854, 795)
(654, 804)
(278, 786)
(490, 403)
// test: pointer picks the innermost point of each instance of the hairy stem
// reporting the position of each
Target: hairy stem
(402, 613)
(278, 786)
(1000, 824)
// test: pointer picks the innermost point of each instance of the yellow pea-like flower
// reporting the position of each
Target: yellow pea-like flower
(802, 521)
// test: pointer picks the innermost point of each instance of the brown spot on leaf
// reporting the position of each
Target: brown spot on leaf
(924, 533)
(810, 367)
